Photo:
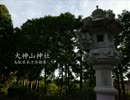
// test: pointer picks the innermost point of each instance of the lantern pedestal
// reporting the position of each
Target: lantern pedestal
(103, 61)
(104, 88)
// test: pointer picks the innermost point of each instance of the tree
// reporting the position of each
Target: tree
(54, 37)
(7, 43)
(123, 43)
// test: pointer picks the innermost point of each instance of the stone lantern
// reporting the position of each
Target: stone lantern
(96, 38)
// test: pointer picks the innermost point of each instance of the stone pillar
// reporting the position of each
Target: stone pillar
(104, 87)
(103, 61)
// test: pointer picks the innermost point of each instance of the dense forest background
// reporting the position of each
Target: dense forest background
(64, 71)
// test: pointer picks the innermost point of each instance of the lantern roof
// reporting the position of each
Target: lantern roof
(102, 21)
(98, 14)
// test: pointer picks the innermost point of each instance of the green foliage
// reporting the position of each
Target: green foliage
(124, 37)
(3, 89)
(21, 91)
(7, 44)
(54, 37)
(122, 41)
(52, 89)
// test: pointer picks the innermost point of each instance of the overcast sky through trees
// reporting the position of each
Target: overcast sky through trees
(21, 10)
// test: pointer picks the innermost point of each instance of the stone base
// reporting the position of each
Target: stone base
(105, 97)
(104, 90)
(105, 93)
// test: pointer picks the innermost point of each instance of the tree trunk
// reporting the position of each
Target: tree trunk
(66, 88)
(35, 84)
(16, 82)
(90, 79)
(38, 85)
(45, 77)
(30, 84)
(122, 82)
(22, 81)
(62, 80)
(2, 78)
(81, 76)
(68, 81)
(118, 84)
(45, 86)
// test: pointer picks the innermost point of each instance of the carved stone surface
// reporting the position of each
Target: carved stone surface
(85, 41)
(103, 56)
(100, 22)
(90, 29)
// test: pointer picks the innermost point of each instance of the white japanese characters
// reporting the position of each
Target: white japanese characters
(29, 58)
